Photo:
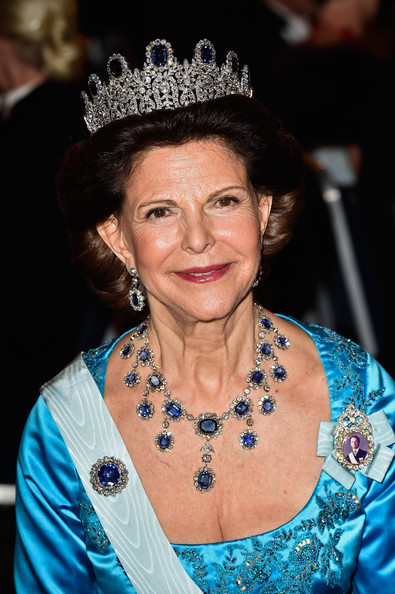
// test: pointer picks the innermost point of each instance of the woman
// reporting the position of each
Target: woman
(199, 427)
(41, 59)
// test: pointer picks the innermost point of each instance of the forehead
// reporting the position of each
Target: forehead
(200, 164)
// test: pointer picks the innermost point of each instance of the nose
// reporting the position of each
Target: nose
(198, 234)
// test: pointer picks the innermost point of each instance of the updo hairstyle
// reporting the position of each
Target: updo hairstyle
(91, 183)
(45, 35)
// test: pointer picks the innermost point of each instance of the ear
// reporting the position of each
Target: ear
(264, 206)
(111, 233)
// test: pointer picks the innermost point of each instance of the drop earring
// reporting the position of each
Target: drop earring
(136, 297)
(258, 278)
(260, 271)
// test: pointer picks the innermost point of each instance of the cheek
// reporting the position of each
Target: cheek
(243, 232)
(154, 245)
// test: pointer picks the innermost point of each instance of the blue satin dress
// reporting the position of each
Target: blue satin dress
(343, 540)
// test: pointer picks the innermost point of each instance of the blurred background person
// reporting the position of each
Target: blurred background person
(42, 59)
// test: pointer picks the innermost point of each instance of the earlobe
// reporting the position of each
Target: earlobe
(265, 206)
(111, 233)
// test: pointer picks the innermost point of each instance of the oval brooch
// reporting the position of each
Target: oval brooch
(357, 442)
(354, 443)
(109, 476)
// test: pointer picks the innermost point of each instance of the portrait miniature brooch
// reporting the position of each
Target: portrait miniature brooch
(356, 442)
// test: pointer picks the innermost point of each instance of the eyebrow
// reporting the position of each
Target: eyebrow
(167, 202)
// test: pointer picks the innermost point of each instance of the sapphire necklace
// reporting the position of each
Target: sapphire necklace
(207, 425)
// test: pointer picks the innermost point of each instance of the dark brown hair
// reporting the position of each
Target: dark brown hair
(92, 180)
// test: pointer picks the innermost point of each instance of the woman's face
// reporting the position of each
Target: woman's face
(191, 225)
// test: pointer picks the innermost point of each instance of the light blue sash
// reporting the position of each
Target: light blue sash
(128, 519)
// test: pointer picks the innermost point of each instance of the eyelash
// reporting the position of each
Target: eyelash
(151, 213)
(232, 199)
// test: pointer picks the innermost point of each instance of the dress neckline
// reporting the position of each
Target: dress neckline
(307, 328)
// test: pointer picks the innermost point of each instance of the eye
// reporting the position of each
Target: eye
(157, 213)
(226, 201)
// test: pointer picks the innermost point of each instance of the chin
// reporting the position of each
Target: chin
(212, 306)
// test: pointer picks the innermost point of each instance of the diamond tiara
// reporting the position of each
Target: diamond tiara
(163, 83)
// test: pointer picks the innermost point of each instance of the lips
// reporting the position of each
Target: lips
(204, 274)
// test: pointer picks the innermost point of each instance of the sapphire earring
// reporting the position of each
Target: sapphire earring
(258, 277)
(260, 271)
(136, 297)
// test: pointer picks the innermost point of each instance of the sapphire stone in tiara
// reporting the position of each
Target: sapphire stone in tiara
(92, 86)
(159, 55)
(206, 54)
(115, 66)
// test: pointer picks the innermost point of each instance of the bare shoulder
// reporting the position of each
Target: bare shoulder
(306, 373)
(303, 346)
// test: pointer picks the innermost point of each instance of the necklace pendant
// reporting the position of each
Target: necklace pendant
(241, 408)
(281, 341)
(267, 405)
(155, 382)
(141, 330)
(264, 350)
(256, 378)
(145, 410)
(248, 439)
(207, 447)
(278, 373)
(145, 356)
(127, 350)
(208, 425)
(164, 441)
(204, 479)
(173, 410)
(132, 379)
(265, 324)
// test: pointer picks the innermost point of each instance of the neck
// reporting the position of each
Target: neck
(201, 354)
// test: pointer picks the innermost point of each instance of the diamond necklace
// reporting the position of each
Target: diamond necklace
(207, 425)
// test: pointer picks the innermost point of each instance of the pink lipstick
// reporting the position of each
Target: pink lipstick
(204, 274)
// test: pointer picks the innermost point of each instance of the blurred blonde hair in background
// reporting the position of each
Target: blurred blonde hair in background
(45, 35)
